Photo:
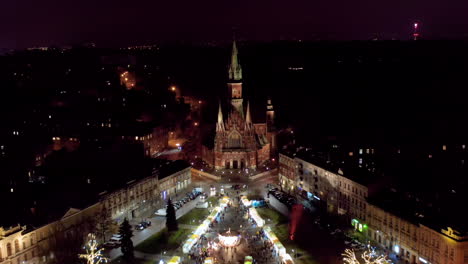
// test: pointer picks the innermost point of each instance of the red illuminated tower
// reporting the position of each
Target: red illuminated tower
(416, 34)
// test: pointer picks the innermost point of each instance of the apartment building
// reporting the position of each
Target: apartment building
(26, 244)
(384, 219)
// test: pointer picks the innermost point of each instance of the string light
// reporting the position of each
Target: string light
(349, 257)
(93, 253)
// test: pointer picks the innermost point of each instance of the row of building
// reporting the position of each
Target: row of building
(26, 244)
(382, 214)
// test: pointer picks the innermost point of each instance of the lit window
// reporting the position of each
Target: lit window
(360, 151)
(444, 147)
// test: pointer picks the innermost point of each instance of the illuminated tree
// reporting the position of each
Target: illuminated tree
(93, 252)
(349, 257)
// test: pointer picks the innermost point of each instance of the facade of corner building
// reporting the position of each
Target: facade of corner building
(131, 201)
(287, 172)
(171, 185)
(414, 242)
(21, 244)
(33, 245)
(240, 143)
(339, 194)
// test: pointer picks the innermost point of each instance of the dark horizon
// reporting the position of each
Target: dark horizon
(112, 24)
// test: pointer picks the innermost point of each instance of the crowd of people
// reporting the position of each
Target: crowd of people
(253, 241)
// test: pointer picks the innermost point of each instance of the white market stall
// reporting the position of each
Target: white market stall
(201, 229)
(256, 217)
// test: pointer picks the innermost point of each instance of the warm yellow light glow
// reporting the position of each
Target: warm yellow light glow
(349, 257)
(93, 253)
(229, 240)
(173, 88)
(174, 260)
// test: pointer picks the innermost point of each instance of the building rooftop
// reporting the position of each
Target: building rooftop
(169, 168)
(349, 170)
(50, 201)
(414, 208)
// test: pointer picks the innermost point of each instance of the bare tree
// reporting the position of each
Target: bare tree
(103, 224)
(66, 243)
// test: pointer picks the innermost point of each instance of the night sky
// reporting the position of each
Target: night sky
(26, 23)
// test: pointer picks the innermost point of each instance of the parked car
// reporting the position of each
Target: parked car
(117, 236)
(161, 212)
(140, 227)
(109, 245)
(116, 239)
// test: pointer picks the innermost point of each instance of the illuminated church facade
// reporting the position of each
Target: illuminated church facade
(239, 143)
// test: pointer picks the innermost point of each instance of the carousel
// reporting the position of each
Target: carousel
(229, 238)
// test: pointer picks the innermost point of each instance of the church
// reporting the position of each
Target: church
(239, 143)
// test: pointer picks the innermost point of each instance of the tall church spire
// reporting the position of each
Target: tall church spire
(220, 123)
(235, 70)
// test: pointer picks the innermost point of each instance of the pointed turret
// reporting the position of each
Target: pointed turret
(220, 123)
(235, 70)
(248, 118)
